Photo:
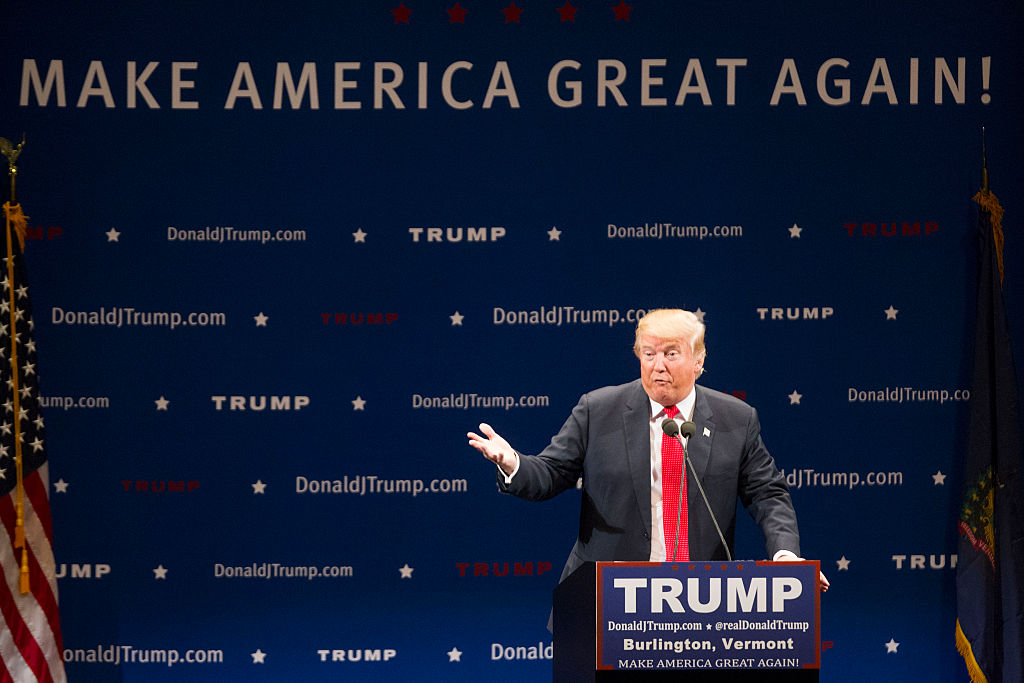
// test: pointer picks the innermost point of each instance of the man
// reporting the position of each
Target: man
(614, 439)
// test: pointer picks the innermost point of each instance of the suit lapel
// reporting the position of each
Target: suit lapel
(636, 420)
(699, 446)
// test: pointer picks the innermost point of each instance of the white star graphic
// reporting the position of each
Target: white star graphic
(359, 403)
(890, 313)
(553, 234)
(406, 571)
(843, 563)
(700, 314)
(457, 318)
(891, 646)
(795, 231)
(258, 656)
(454, 655)
(112, 235)
(939, 478)
(60, 485)
(160, 572)
(359, 236)
(794, 398)
(37, 445)
(261, 320)
(258, 487)
(161, 403)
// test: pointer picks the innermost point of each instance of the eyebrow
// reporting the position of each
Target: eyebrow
(671, 346)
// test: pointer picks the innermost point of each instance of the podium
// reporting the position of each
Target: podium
(705, 621)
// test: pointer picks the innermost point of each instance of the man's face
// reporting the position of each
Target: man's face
(667, 369)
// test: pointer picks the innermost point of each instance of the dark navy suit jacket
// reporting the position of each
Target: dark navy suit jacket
(607, 440)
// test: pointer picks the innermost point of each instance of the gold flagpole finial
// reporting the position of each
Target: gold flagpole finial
(11, 152)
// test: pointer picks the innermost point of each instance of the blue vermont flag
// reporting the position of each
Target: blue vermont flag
(990, 601)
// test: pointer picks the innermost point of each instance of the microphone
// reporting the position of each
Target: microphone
(672, 429)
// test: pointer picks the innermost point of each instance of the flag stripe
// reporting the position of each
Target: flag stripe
(36, 534)
(9, 653)
(35, 491)
(37, 610)
(5, 638)
(43, 583)
(15, 606)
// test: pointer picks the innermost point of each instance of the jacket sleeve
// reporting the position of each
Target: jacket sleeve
(556, 468)
(763, 491)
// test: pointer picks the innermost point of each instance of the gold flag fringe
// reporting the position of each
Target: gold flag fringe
(964, 647)
(990, 203)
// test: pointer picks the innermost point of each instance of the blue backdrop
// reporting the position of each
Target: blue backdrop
(283, 257)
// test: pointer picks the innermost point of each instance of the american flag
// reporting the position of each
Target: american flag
(31, 647)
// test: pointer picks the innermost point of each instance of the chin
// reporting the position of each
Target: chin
(666, 398)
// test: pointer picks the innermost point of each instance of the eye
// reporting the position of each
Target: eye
(672, 355)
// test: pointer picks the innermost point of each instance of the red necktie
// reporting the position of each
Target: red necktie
(672, 499)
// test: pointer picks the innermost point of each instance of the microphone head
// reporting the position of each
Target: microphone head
(670, 427)
(688, 429)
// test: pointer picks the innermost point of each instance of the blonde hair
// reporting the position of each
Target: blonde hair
(673, 323)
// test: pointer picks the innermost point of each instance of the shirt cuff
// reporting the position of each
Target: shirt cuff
(508, 477)
(784, 554)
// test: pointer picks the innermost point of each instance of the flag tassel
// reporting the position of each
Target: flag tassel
(23, 584)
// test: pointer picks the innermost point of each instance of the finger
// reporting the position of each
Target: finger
(481, 446)
(488, 430)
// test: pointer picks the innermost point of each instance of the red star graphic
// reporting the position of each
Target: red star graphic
(457, 14)
(568, 12)
(622, 11)
(512, 13)
(401, 13)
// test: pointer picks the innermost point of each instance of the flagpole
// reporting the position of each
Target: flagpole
(990, 203)
(984, 163)
(16, 220)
